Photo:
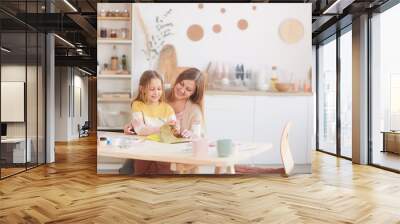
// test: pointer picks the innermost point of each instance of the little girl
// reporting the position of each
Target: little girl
(150, 112)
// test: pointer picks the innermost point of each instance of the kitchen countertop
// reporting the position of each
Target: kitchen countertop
(257, 93)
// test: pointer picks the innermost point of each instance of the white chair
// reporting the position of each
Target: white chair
(286, 154)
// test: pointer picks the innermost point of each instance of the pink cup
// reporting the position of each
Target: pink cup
(200, 147)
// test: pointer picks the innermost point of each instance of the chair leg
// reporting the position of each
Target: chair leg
(192, 169)
(217, 170)
(179, 168)
(230, 169)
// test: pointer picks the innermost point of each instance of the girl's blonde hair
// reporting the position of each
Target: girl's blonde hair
(144, 83)
(198, 77)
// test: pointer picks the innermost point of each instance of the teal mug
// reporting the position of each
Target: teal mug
(224, 147)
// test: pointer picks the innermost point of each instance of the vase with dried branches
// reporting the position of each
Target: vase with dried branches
(155, 41)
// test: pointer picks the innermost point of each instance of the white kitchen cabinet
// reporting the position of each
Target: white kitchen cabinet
(271, 115)
(229, 117)
(262, 119)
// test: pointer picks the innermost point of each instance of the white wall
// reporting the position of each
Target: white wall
(80, 84)
(258, 46)
(14, 73)
(61, 103)
(17, 73)
(67, 83)
(33, 127)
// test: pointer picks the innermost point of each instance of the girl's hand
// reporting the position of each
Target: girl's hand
(176, 133)
(186, 133)
(128, 129)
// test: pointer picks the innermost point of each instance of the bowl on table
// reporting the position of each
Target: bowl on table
(284, 86)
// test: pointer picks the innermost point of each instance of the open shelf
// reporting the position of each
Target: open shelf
(114, 76)
(114, 18)
(114, 87)
(111, 100)
(113, 41)
(101, 128)
(257, 93)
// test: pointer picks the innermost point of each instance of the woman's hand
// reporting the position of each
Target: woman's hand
(128, 129)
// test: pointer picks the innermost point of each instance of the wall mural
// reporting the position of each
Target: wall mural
(242, 24)
(217, 28)
(291, 31)
(260, 50)
(195, 32)
(156, 40)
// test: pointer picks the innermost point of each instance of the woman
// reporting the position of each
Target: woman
(186, 98)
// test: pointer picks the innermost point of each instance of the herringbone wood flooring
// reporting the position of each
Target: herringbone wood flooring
(70, 191)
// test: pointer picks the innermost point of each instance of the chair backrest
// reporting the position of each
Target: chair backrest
(286, 154)
(86, 125)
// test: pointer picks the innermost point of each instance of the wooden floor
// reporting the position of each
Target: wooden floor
(10, 171)
(70, 191)
(386, 159)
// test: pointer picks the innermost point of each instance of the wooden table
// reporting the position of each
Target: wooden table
(13, 151)
(135, 147)
(391, 141)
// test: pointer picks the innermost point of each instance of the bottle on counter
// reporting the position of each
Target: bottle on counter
(123, 63)
(103, 13)
(238, 75)
(125, 13)
(225, 74)
(247, 78)
(124, 33)
(109, 13)
(105, 67)
(307, 83)
(103, 32)
(274, 79)
(261, 80)
(114, 59)
(113, 34)
(196, 129)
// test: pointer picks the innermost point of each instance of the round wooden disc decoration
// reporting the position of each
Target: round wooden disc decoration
(195, 32)
(242, 24)
(217, 28)
(291, 31)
